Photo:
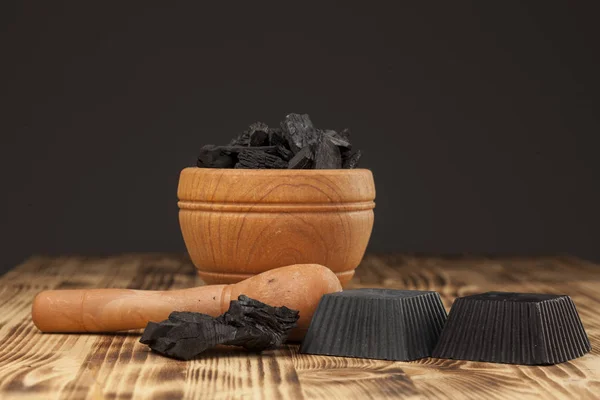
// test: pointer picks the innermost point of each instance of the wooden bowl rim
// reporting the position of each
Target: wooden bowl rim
(216, 185)
(282, 172)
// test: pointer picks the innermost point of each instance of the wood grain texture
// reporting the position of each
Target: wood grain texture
(117, 366)
(239, 222)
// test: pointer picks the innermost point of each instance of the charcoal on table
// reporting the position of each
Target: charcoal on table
(299, 131)
(248, 323)
(257, 159)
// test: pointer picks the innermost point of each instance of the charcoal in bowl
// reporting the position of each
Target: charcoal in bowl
(299, 131)
(212, 156)
(327, 154)
(384, 324)
(513, 328)
(253, 159)
(298, 144)
(304, 159)
(248, 323)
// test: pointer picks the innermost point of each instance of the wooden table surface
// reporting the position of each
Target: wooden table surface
(117, 366)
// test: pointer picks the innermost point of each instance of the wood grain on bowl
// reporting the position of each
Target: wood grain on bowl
(238, 223)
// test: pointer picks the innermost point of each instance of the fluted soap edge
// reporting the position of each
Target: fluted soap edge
(397, 325)
(548, 331)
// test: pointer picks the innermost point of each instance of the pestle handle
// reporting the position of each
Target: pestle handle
(299, 287)
(107, 310)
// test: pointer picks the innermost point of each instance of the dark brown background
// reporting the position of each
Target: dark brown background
(479, 121)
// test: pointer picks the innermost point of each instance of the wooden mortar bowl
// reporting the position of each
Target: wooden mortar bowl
(237, 223)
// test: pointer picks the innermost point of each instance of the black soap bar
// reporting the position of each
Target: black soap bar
(399, 325)
(513, 328)
(248, 323)
(296, 145)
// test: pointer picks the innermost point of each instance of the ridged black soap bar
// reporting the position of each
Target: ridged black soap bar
(513, 328)
(399, 325)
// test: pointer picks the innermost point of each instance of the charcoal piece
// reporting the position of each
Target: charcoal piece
(257, 159)
(239, 149)
(351, 159)
(399, 325)
(513, 328)
(299, 131)
(345, 135)
(250, 316)
(277, 138)
(259, 134)
(341, 139)
(296, 145)
(327, 154)
(241, 140)
(284, 153)
(259, 138)
(185, 334)
(248, 323)
(213, 157)
(304, 159)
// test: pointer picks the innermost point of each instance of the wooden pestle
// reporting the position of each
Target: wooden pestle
(299, 287)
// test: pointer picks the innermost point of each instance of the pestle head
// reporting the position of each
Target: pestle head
(298, 286)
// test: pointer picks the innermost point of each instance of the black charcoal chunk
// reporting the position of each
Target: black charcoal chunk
(341, 139)
(537, 329)
(351, 159)
(299, 131)
(384, 324)
(284, 153)
(304, 159)
(345, 135)
(259, 134)
(327, 154)
(248, 323)
(259, 326)
(241, 140)
(214, 157)
(257, 159)
(239, 149)
(276, 138)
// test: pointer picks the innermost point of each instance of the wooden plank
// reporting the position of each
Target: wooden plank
(352, 378)
(117, 366)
